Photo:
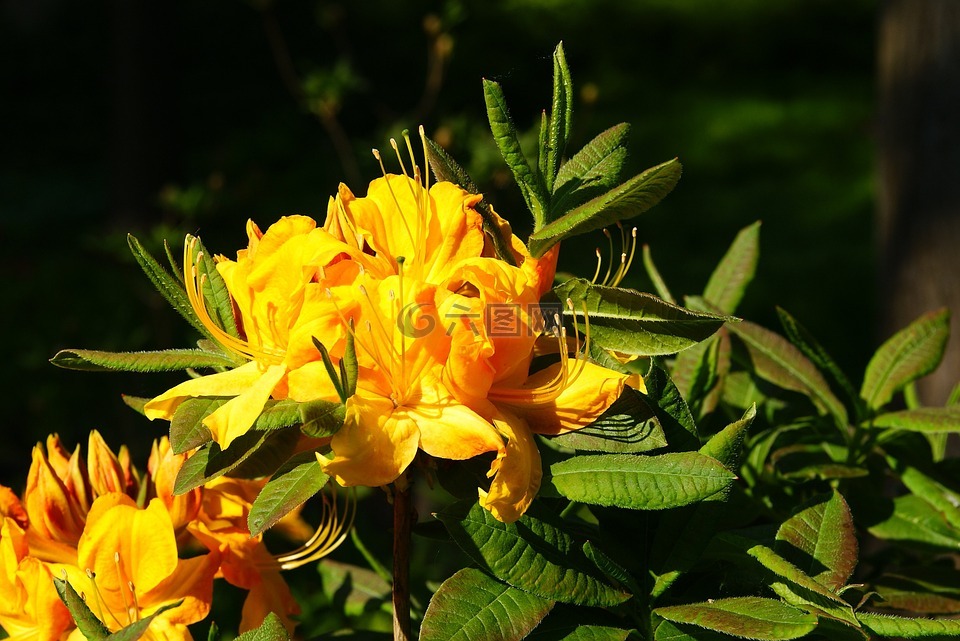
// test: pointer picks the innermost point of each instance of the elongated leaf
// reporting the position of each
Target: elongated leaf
(777, 361)
(929, 590)
(729, 280)
(629, 426)
(654, 275)
(139, 627)
(273, 447)
(218, 302)
(629, 199)
(320, 418)
(632, 322)
(270, 630)
(531, 554)
(187, 431)
(561, 114)
(169, 287)
(936, 494)
(912, 352)
(575, 632)
(505, 135)
(929, 420)
(160, 361)
(640, 482)
(820, 540)
(447, 169)
(916, 521)
(471, 605)
(615, 572)
(672, 410)
(296, 481)
(812, 349)
(91, 627)
(670, 631)
(359, 589)
(592, 171)
(884, 625)
(744, 617)
(694, 370)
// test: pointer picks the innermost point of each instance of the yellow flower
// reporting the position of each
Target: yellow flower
(30, 609)
(163, 467)
(128, 567)
(281, 306)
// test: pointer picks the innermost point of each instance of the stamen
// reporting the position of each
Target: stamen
(606, 278)
(396, 150)
(597, 272)
(331, 532)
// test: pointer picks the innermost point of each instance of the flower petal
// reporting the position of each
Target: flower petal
(454, 431)
(237, 415)
(375, 445)
(230, 383)
(517, 471)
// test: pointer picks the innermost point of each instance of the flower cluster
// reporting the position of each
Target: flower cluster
(445, 331)
(128, 545)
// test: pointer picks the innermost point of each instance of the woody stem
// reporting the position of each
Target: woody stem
(402, 523)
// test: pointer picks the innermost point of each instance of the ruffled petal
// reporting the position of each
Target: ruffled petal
(516, 471)
(453, 431)
(237, 415)
(375, 445)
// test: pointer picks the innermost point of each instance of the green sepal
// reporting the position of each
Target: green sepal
(533, 554)
(629, 199)
(168, 286)
(296, 481)
(639, 482)
(218, 301)
(445, 168)
(153, 361)
(505, 135)
(636, 323)
(914, 351)
(472, 606)
(271, 629)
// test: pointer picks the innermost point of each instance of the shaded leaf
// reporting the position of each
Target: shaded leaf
(733, 273)
(912, 352)
(91, 627)
(640, 482)
(930, 590)
(890, 626)
(216, 296)
(592, 170)
(669, 631)
(628, 426)
(744, 617)
(930, 420)
(623, 202)
(296, 481)
(270, 630)
(636, 323)
(824, 536)
(139, 627)
(471, 605)
(531, 554)
(675, 417)
(359, 588)
(916, 521)
(654, 274)
(158, 361)
(561, 114)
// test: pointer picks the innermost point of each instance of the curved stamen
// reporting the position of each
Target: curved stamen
(328, 536)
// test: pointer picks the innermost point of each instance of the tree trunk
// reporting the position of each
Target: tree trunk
(919, 172)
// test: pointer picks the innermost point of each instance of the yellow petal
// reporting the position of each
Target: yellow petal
(230, 383)
(237, 415)
(270, 594)
(192, 581)
(517, 470)
(375, 445)
(453, 431)
(579, 404)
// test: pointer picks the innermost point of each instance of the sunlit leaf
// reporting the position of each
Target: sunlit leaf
(912, 352)
(916, 521)
(930, 590)
(930, 420)
(91, 627)
(592, 170)
(561, 114)
(471, 605)
(216, 296)
(733, 273)
(159, 361)
(270, 630)
(138, 628)
(938, 495)
(744, 617)
(821, 541)
(531, 554)
(672, 410)
(296, 481)
(640, 482)
(901, 627)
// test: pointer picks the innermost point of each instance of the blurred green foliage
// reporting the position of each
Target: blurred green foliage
(767, 104)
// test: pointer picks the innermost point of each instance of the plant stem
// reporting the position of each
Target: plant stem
(402, 522)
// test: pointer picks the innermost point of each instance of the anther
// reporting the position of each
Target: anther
(90, 574)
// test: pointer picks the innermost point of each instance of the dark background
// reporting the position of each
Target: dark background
(161, 118)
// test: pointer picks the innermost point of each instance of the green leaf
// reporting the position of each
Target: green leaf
(169, 287)
(674, 415)
(139, 627)
(187, 431)
(733, 273)
(916, 521)
(669, 631)
(561, 115)
(359, 589)
(445, 168)
(159, 361)
(272, 447)
(694, 370)
(629, 199)
(744, 617)
(505, 135)
(925, 589)
(936, 494)
(775, 360)
(592, 171)
(296, 481)
(884, 625)
(91, 627)
(640, 482)
(531, 554)
(929, 420)
(812, 349)
(136, 403)
(912, 352)
(270, 630)
(218, 302)
(821, 541)
(610, 568)
(632, 322)
(629, 426)
(471, 605)
(580, 633)
(654, 274)
(320, 418)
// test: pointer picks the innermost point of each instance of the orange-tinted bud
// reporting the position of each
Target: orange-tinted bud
(104, 469)
(163, 467)
(11, 507)
(53, 510)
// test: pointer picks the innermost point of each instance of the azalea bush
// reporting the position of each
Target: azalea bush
(611, 464)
